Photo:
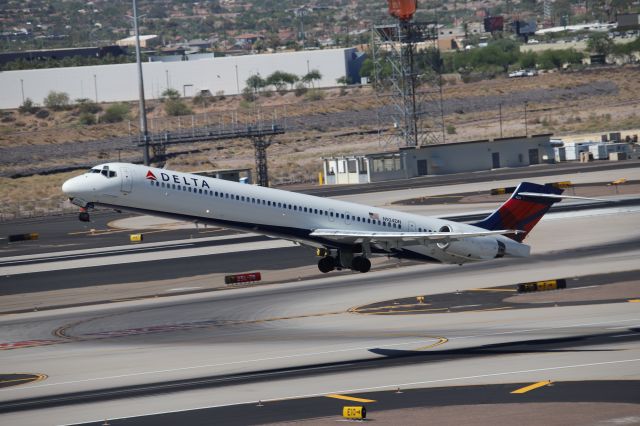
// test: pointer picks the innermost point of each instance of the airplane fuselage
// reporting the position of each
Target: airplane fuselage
(275, 213)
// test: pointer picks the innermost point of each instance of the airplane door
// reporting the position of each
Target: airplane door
(126, 181)
(331, 214)
(412, 227)
(347, 218)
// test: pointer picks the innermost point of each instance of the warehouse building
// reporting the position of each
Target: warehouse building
(439, 159)
(119, 82)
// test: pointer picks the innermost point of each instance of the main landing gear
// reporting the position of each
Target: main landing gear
(358, 263)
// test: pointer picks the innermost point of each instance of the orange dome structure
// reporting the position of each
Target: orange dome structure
(402, 9)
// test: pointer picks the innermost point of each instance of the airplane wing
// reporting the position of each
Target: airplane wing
(403, 237)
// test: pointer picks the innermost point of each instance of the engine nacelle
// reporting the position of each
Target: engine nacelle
(477, 248)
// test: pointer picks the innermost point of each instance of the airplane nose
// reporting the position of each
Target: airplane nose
(70, 186)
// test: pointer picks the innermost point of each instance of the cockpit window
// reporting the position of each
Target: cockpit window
(104, 171)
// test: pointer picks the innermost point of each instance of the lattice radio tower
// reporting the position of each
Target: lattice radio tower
(410, 92)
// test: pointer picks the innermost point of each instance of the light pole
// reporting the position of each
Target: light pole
(526, 130)
(500, 112)
(142, 108)
(95, 87)
(237, 81)
(22, 89)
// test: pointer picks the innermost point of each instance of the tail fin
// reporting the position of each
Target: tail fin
(523, 210)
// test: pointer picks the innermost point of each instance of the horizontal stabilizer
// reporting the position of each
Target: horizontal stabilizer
(560, 197)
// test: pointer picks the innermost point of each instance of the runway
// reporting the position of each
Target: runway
(289, 344)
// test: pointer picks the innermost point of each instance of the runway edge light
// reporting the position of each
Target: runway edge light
(354, 412)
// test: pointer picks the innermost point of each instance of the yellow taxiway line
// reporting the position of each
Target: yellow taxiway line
(532, 387)
(349, 398)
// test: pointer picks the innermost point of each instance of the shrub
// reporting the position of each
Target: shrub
(42, 114)
(203, 99)
(28, 107)
(115, 113)
(87, 119)
(175, 107)
(301, 89)
(169, 94)
(57, 101)
(245, 104)
(220, 95)
(314, 95)
(88, 106)
(451, 129)
(248, 94)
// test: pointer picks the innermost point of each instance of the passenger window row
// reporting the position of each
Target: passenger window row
(275, 204)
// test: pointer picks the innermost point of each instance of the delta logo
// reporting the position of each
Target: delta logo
(181, 180)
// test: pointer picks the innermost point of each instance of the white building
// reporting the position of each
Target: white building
(114, 83)
(439, 159)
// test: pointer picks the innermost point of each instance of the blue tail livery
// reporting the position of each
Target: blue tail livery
(528, 203)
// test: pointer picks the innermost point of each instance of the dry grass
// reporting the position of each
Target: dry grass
(34, 196)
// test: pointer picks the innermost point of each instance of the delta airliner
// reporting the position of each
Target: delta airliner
(344, 234)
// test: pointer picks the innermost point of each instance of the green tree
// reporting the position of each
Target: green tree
(115, 113)
(366, 70)
(528, 59)
(550, 59)
(276, 79)
(311, 77)
(600, 43)
(256, 83)
(344, 80)
(57, 101)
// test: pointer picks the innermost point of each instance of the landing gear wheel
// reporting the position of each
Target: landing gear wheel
(361, 264)
(326, 264)
(84, 217)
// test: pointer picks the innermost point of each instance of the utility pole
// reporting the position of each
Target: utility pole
(526, 130)
(500, 112)
(142, 108)
(95, 87)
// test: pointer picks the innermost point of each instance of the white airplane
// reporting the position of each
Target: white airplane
(344, 234)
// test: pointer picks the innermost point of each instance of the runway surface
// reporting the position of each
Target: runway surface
(222, 352)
